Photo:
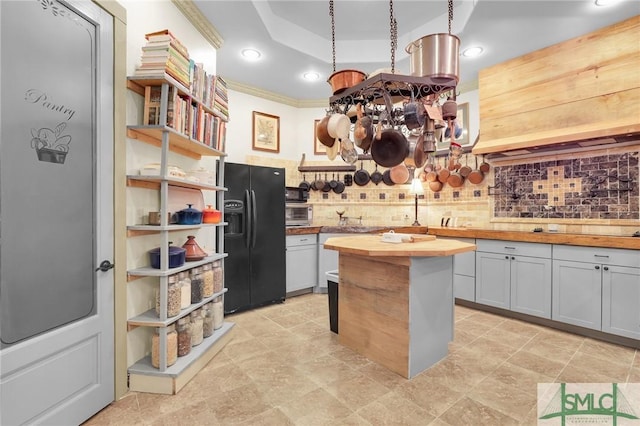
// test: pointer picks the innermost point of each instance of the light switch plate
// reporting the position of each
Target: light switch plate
(553, 227)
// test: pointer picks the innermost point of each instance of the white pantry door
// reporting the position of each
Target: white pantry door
(56, 211)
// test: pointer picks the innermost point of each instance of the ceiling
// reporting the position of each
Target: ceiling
(294, 36)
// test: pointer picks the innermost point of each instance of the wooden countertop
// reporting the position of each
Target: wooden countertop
(587, 240)
(371, 245)
(609, 241)
(304, 230)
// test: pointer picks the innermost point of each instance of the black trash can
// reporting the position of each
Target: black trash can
(332, 284)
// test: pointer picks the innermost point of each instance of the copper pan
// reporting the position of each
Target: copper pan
(342, 80)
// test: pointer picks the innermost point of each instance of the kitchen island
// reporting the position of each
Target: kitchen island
(396, 299)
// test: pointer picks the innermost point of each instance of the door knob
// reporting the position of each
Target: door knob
(105, 265)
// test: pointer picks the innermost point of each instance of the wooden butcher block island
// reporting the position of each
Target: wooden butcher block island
(395, 303)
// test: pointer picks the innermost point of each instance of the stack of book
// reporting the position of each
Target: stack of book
(202, 84)
(164, 53)
(221, 100)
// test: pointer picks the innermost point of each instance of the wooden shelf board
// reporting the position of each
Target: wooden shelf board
(178, 142)
(153, 182)
(143, 377)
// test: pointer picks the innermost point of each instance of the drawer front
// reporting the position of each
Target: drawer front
(301, 240)
(514, 247)
(607, 256)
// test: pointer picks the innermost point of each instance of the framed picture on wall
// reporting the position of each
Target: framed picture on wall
(461, 132)
(266, 132)
(318, 147)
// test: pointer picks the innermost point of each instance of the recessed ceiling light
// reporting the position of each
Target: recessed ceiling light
(311, 76)
(251, 54)
(472, 52)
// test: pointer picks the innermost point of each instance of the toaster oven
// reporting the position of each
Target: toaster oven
(298, 214)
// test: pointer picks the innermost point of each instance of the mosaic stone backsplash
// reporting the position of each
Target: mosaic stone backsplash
(598, 187)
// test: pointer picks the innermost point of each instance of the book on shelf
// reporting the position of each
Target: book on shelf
(222, 135)
(151, 112)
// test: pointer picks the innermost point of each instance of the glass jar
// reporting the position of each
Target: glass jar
(207, 278)
(218, 312)
(196, 285)
(197, 327)
(207, 327)
(217, 276)
(172, 346)
(173, 297)
(184, 336)
(185, 290)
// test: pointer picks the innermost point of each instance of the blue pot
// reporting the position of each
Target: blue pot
(189, 216)
(177, 257)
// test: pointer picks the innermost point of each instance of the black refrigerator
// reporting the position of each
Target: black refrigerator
(254, 236)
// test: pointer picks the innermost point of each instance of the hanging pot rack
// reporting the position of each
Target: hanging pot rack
(396, 86)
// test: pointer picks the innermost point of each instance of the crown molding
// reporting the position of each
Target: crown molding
(272, 96)
(200, 22)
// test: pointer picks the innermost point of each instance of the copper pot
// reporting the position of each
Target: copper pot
(476, 176)
(342, 80)
(322, 133)
(465, 170)
(435, 186)
(484, 166)
(443, 174)
(399, 174)
(364, 130)
(416, 157)
(455, 180)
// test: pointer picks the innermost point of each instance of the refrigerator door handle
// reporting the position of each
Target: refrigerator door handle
(254, 219)
(248, 219)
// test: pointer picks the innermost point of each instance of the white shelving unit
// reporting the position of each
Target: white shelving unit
(143, 377)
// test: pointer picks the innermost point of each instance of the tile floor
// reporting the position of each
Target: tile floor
(284, 367)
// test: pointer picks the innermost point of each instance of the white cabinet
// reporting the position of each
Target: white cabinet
(302, 262)
(327, 261)
(597, 288)
(493, 279)
(577, 293)
(514, 276)
(464, 272)
(621, 301)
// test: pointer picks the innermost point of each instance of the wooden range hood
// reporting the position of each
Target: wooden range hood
(581, 92)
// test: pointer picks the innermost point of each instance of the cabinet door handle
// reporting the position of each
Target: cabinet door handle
(597, 267)
(606, 268)
(601, 255)
(513, 258)
(506, 257)
(509, 248)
